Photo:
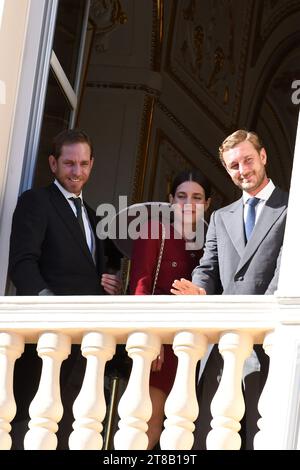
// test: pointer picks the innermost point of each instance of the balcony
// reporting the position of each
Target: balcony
(143, 322)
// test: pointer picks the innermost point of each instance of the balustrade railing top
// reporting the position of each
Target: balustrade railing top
(143, 323)
(122, 314)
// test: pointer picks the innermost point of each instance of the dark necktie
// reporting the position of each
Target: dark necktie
(78, 205)
(250, 219)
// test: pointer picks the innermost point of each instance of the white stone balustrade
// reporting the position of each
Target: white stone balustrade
(146, 321)
(89, 407)
(181, 407)
(227, 406)
(135, 405)
(11, 347)
(46, 408)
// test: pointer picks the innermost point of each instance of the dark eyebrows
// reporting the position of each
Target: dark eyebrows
(183, 193)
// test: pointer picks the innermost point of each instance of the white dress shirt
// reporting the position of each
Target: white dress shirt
(251, 363)
(263, 195)
(90, 238)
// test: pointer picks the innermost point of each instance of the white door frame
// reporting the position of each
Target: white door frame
(34, 69)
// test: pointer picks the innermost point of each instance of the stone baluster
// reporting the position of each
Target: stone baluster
(181, 406)
(263, 403)
(46, 408)
(89, 407)
(11, 347)
(135, 405)
(227, 406)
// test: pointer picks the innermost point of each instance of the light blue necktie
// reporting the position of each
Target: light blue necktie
(250, 219)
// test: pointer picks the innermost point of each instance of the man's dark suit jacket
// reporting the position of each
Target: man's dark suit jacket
(48, 250)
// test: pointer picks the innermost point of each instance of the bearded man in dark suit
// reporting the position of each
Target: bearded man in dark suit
(54, 250)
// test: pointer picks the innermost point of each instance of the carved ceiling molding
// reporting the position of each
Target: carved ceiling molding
(270, 15)
(169, 160)
(287, 145)
(278, 170)
(274, 12)
(123, 86)
(107, 15)
(276, 77)
(190, 136)
(174, 158)
(206, 55)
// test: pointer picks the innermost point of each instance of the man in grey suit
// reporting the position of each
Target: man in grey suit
(241, 256)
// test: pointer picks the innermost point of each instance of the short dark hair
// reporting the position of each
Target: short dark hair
(68, 137)
(191, 175)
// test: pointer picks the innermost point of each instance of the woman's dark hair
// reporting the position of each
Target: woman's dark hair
(69, 137)
(191, 175)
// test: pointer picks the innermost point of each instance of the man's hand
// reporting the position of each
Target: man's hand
(111, 284)
(185, 287)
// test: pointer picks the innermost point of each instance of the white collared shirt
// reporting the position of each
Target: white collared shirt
(252, 363)
(263, 195)
(90, 238)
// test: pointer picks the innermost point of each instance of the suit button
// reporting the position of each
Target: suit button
(174, 264)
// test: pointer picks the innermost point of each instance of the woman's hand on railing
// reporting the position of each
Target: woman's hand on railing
(185, 287)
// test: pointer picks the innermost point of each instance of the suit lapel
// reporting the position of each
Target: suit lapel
(65, 212)
(234, 223)
(273, 209)
(99, 254)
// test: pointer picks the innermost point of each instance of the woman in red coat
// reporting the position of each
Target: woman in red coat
(189, 189)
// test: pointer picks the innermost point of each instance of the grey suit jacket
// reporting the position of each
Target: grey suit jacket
(230, 266)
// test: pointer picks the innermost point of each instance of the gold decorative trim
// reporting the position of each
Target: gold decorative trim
(157, 34)
(123, 86)
(143, 150)
(108, 16)
(160, 136)
(241, 73)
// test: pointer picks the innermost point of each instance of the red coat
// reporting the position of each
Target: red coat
(176, 262)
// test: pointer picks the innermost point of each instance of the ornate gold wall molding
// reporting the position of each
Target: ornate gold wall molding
(157, 36)
(177, 161)
(123, 86)
(187, 133)
(143, 150)
(108, 15)
(168, 161)
(206, 56)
